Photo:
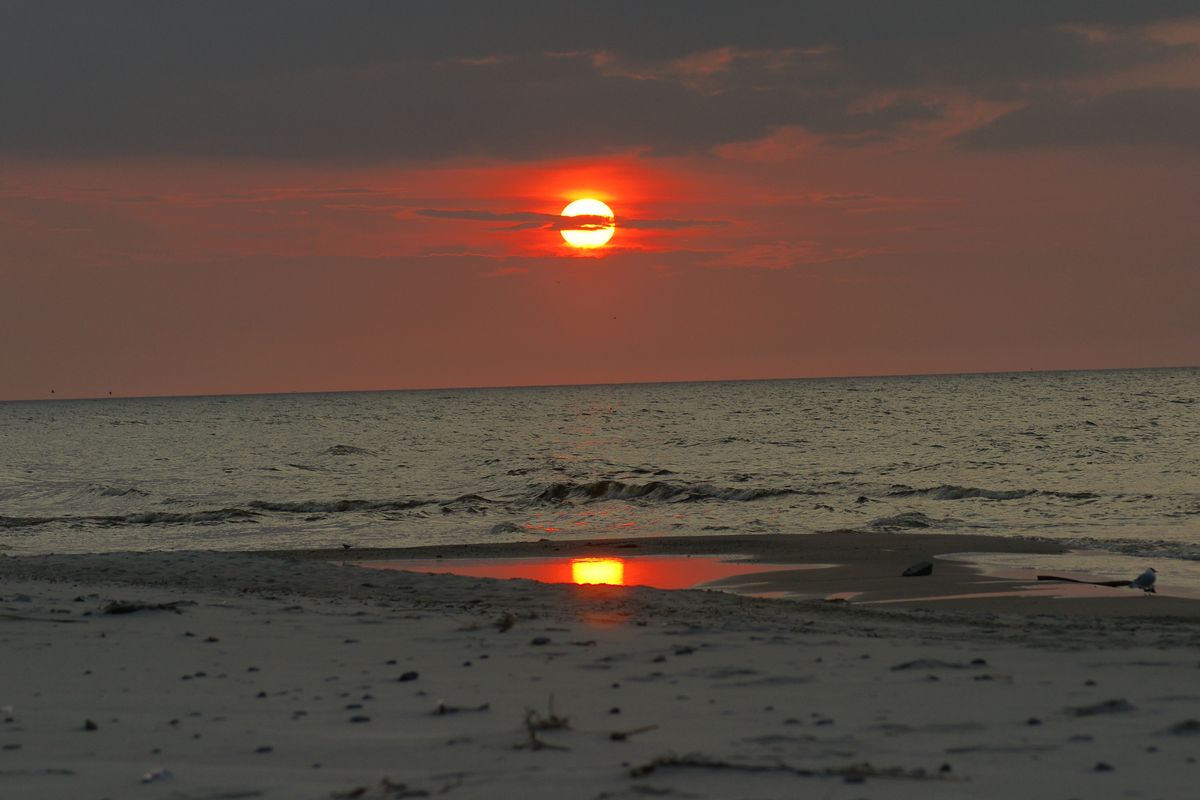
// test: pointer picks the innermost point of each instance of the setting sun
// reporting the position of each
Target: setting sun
(589, 234)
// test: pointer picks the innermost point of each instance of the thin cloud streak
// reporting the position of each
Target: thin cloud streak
(533, 220)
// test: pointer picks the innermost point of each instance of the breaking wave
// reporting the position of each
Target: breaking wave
(143, 518)
(116, 491)
(255, 509)
(347, 450)
(909, 520)
(336, 506)
(654, 491)
(951, 492)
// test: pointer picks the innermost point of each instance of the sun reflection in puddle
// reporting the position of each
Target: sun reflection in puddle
(659, 572)
(609, 571)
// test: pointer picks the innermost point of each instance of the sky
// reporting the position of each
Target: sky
(242, 197)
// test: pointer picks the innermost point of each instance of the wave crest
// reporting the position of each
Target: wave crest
(347, 450)
(141, 518)
(952, 492)
(336, 506)
(654, 491)
(908, 520)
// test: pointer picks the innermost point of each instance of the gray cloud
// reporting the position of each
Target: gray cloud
(1159, 116)
(369, 81)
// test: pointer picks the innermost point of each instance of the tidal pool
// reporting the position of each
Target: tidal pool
(659, 572)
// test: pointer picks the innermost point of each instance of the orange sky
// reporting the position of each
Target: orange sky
(1016, 221)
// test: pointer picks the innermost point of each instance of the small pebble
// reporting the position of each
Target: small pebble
(409, 676)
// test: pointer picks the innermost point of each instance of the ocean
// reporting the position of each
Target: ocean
(1108, 458)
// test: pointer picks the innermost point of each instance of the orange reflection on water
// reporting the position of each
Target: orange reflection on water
(660, 572)
(598, 570)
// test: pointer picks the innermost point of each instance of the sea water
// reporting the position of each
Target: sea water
(1107, 458)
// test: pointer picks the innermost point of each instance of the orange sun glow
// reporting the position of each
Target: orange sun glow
(589, 234)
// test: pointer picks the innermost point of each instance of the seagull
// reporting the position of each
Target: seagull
(1145, 581)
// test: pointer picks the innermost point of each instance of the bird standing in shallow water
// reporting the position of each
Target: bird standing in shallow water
(1146, 580)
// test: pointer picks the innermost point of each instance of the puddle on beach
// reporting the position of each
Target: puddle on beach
(659, 572)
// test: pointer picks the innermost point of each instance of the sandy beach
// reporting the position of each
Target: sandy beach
(551, 401)
(290, 676)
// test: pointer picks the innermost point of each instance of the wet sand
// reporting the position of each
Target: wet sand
(289, 676)
(866, 566)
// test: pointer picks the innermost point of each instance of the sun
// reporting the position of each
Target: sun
(589, 234)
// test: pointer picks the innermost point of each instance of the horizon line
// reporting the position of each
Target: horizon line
(1031, 371)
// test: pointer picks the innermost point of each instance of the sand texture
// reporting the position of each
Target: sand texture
(292, 677)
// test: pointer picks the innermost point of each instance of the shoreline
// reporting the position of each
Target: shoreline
(868, 565)
(864, 566)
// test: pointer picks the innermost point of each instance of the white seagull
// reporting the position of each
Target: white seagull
(1145, 581)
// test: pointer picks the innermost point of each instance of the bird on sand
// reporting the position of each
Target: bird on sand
(1145, 581)
(348, 546)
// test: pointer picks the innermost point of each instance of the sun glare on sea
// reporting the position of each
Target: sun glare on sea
(598, 570)
(589, 234)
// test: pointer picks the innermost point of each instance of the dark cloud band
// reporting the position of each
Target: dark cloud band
(437, 80)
